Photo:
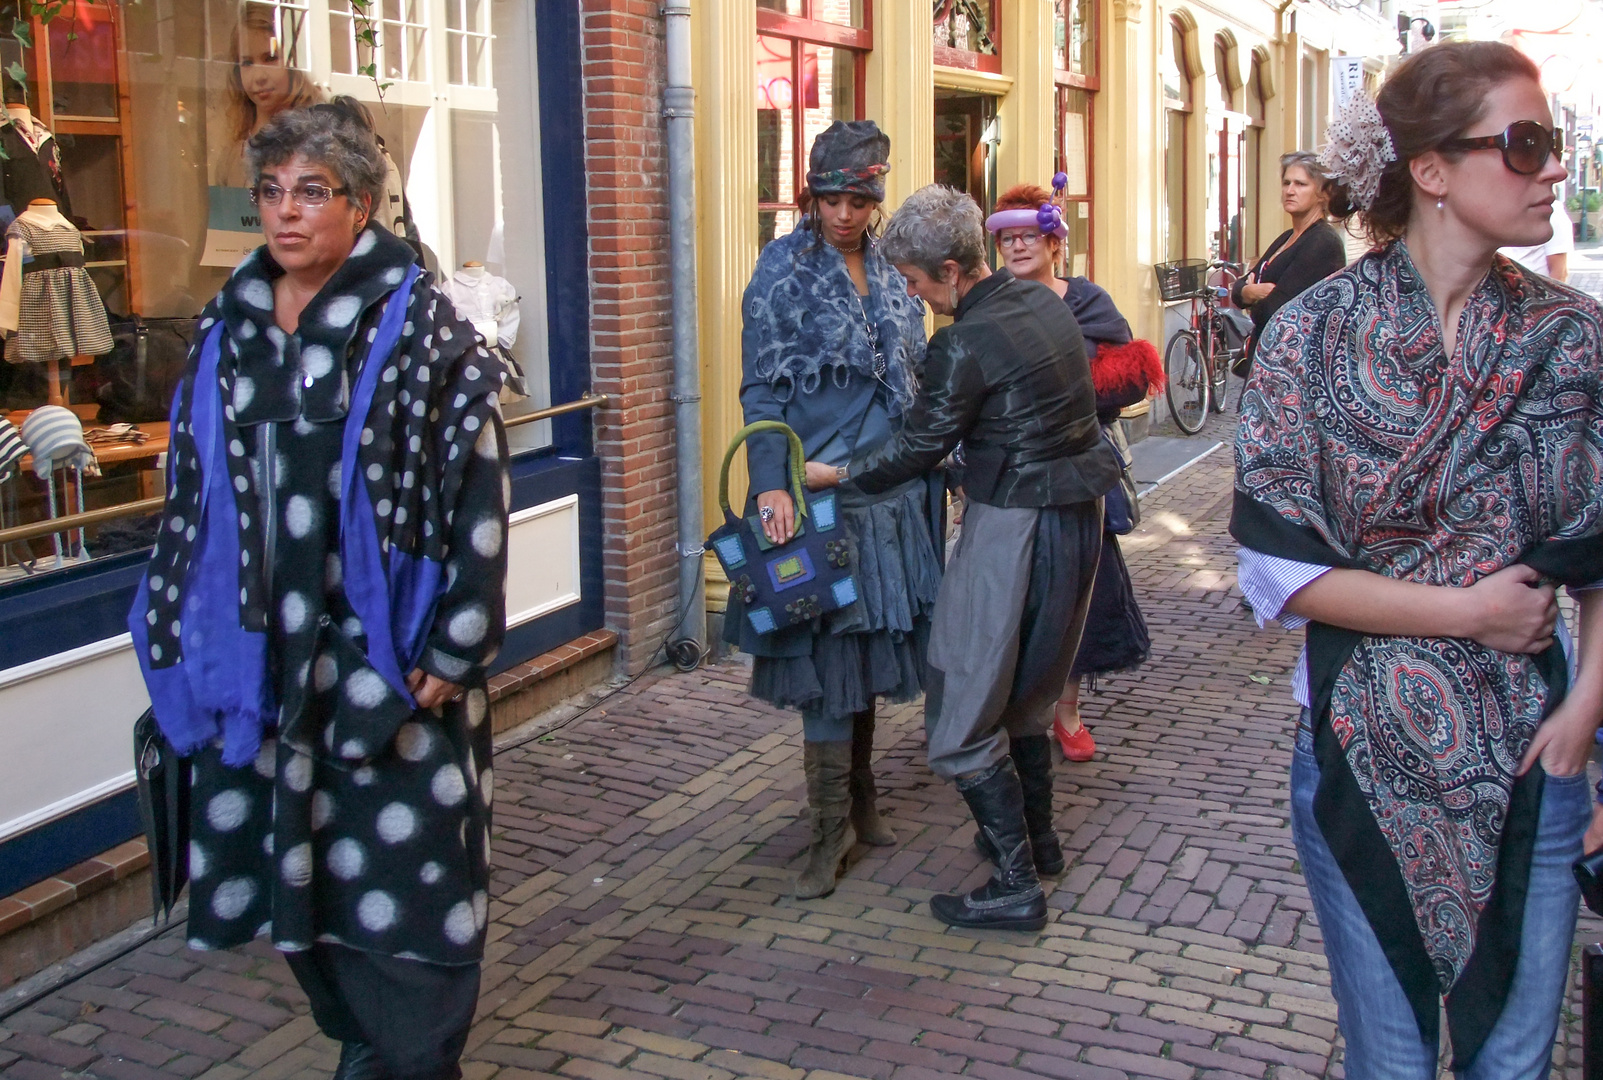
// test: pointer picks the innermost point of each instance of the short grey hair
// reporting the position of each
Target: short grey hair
(935, 224)
(1308, 162)
(331, 137)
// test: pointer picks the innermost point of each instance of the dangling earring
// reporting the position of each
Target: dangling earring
(952, 288)
(1440, 208)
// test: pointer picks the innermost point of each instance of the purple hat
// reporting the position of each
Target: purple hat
(1049, 219)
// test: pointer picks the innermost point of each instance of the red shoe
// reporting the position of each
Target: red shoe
(1077, 747)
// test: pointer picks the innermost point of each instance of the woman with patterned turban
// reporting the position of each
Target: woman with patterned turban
(833, 346)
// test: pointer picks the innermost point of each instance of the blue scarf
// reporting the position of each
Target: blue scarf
(812, 324)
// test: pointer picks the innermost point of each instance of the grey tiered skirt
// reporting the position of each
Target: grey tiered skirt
(874, 648)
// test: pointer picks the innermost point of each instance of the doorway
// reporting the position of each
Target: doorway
(965, 144)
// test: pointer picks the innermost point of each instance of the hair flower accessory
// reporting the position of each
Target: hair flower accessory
(1358, 148)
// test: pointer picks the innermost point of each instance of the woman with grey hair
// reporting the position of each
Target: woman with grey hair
(1307, 253)
(1009, 379)
(318, 612)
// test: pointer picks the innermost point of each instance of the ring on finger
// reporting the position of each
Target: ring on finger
(766, 513)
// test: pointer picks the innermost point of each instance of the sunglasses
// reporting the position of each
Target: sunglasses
(1526, 146)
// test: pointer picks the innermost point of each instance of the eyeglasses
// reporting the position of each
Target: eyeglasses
(1023, 239)
(267, 193)
(1526, 146)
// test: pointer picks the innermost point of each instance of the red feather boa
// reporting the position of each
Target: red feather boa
(1115, 367)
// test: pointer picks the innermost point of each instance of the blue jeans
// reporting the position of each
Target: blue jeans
(1383, 1042)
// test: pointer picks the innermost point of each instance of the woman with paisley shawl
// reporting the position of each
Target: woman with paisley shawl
(326, 592)
(1419, 464)
(833, 346)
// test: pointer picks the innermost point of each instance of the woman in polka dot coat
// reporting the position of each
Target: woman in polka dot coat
(320, 654)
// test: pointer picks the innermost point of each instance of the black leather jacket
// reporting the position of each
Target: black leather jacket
(1010, 380)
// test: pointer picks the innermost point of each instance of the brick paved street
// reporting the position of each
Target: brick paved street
(641, 927)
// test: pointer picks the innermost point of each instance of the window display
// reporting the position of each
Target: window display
(163, 219)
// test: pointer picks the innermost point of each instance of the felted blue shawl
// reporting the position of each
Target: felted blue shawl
(811, 324)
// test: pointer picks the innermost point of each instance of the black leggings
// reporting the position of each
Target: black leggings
(414, 1014)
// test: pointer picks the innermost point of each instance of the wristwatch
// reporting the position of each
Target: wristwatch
(841, 472)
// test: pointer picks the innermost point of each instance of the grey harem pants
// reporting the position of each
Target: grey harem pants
(1006, 629)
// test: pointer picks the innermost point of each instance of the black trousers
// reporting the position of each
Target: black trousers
(415, 1015)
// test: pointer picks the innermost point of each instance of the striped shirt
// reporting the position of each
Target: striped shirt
(1269, 583)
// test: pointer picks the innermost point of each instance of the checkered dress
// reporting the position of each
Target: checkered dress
(62, 314)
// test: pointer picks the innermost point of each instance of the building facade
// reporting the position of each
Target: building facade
(528, 141)
(1168, 119)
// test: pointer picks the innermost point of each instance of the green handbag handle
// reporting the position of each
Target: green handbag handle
(798, 464)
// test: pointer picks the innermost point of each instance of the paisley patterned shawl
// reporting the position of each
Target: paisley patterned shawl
(1363, 444)
(813, 322)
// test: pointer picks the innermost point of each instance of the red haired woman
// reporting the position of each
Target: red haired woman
(1030, 233)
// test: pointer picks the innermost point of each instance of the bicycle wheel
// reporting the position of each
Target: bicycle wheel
(1187, 390)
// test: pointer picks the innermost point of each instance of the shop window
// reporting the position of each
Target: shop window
(851, 13)
(1077, 53)
(1226, 157)
(1256, 113)
(467, 35)
(167, 217)
(1177, 90)
(402, 28)
(965, 154)
(1074, 148)
(807, 78)
(968, 34)
(1077, 44)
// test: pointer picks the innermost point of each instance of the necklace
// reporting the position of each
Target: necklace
(848, 250)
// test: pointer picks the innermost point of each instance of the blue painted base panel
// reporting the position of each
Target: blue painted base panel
(68, 841)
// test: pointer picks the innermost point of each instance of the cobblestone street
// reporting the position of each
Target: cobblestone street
(641, 925)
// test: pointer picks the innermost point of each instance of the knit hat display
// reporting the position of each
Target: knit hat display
(850, 157)
(11, 449)
(54, 436)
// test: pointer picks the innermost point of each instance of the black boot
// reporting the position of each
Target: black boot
(871, 828)
(1012, 899)
(1032, 757)
(358, 1061)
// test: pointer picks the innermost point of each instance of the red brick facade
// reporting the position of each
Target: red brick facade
(630, 324)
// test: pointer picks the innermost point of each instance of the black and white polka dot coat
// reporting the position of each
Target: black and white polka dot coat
(386, 848)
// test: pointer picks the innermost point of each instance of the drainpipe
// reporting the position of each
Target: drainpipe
(679, 106)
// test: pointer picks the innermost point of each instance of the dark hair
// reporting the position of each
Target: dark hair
(1436, 95)
(328, 135)
(804, 206)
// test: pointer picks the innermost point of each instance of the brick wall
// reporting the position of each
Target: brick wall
(631, 344)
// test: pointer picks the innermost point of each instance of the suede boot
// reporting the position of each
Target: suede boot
(870, 827)
(1012, 899)
(1032, 757)
(828, 766)
(358, 1061)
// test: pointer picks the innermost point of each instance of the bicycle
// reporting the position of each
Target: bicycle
(1197, 360)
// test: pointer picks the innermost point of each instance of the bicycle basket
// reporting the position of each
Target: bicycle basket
(1181, 280)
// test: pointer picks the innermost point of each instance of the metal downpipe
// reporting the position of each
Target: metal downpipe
(679, 110)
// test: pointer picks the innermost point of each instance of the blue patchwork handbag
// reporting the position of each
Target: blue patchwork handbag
(784, 585)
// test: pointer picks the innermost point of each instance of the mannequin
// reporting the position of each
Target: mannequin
(32, 166)
(49, 306)
(490, 303)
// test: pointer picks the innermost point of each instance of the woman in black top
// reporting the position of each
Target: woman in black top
(1310, 251)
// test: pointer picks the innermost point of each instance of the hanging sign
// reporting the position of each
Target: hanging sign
(1347, 77)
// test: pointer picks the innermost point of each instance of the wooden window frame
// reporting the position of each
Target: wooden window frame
(1062, 76)
(946, 56)
(1060, 102)
(800, 33)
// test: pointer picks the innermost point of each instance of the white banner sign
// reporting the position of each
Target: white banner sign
(1347, 75)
